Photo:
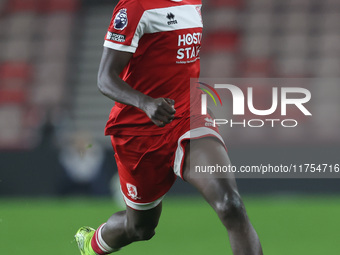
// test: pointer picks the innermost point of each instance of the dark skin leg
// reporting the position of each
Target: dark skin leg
(130, 225)
(222, 194)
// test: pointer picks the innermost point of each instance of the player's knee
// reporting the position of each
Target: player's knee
(142, 232)
(231, 210)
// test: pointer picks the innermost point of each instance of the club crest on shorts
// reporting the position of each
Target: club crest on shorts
(132, 190)
(121, 19)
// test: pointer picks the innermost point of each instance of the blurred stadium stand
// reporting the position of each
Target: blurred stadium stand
(36, 39)
(50, 52)
(48, 67)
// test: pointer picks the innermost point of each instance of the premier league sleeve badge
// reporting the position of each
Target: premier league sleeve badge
(121, 20)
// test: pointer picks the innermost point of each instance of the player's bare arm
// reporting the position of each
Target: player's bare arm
(160, 110)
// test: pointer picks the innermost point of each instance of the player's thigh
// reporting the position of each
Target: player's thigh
(209, 151)
(143, 219)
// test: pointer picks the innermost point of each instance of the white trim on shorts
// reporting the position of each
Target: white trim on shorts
(141, 206)
(191, 134)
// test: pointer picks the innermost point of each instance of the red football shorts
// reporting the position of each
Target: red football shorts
(148, 165)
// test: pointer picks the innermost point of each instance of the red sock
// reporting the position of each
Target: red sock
(98, 244)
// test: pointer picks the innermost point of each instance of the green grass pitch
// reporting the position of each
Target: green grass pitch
(286, 226)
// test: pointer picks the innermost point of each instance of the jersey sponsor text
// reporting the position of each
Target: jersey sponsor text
(189, 54)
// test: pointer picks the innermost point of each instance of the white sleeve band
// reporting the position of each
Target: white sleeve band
(120, 47)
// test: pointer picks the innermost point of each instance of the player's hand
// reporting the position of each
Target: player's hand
(160, 110)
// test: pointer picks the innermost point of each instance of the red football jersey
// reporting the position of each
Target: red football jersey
(165, 39)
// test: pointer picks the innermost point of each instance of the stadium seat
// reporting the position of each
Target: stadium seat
(325, 92)
(2, 53)
(221, 18)
(221, 41)
(292, 67)
(330, 5)
(11, 129)
(260, 5)
(256, 67)
(292, 44)
(294, 21)
(61, 5)
(50, 72)
(23, 5)
(258, 22)
(327, 44)
(13, 91)
(2, 5)
(57, 26)
(323, 110)
(3, 26)
(327, 66)
(58, 50)
(20, 70)
(328, 21)
(326, 104)
(296, 4)
(49, 83)
(18, 50)
(257, 45)
(222, 3)
(14, 81)
(47, 94)
(218, 65)
(21, 25)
